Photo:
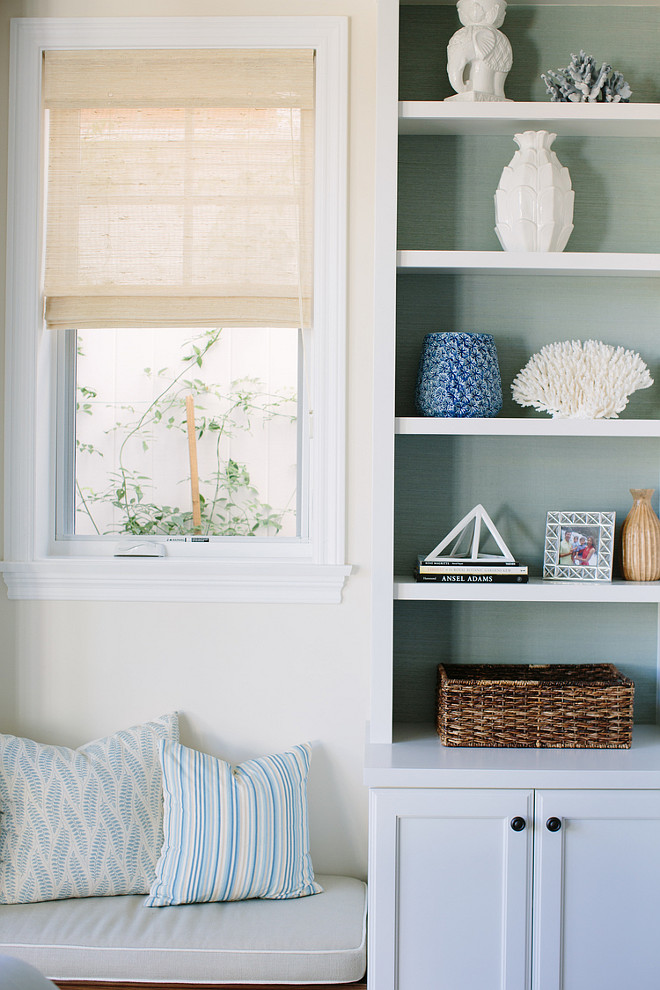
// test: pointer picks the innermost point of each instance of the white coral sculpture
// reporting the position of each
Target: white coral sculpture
(573, 379)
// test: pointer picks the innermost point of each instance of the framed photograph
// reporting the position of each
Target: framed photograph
(579, 546)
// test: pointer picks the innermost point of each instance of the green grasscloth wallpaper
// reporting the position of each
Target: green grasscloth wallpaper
(542, 38)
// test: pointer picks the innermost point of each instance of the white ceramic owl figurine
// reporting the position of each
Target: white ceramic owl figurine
(479, 56)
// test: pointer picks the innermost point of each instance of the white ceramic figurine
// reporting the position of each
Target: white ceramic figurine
(478, 55)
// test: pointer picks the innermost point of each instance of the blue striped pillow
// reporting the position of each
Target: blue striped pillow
(231, 833)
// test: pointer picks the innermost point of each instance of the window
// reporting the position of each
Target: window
(182, 435)
(175, 362)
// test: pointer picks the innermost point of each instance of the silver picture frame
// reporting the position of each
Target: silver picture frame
(579, 546)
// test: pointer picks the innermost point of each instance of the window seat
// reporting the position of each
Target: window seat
(118, 942)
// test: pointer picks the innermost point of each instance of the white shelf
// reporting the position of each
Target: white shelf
(536, 590)
(514, 263)
(417, 758)
(510, 427)
(567, 119)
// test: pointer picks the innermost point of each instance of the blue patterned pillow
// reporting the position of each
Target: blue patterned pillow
(232, 833)
(81, 822)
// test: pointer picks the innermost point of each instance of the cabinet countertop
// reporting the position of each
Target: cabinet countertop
(418, 759)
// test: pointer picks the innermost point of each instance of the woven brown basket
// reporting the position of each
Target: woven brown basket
(573, 706)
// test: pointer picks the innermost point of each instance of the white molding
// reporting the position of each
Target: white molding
(160, 580)
(39, 568)
(382, 557)
(68, 33)
(328, 389)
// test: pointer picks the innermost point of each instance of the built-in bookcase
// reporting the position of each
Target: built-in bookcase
(503, 849)
(440, 267)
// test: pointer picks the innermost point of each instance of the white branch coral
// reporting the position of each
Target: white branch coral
(580, 380)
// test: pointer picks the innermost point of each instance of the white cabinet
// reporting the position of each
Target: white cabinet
(515, 889)
(457, 911)
(596, 883)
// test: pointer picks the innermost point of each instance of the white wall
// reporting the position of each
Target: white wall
(246, 679)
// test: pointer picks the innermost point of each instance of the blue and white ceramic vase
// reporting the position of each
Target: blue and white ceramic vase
(459, 376)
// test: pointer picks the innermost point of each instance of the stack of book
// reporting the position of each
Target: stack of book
(460, 571)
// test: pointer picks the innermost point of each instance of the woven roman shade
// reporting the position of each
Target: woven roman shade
(179, 188)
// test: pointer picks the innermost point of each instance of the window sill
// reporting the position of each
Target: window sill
(158, 580)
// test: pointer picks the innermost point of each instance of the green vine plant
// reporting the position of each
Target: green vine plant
(230, 504)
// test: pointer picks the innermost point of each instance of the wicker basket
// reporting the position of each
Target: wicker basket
(575, 706)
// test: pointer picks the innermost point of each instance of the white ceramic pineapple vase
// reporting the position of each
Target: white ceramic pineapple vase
(534, 198)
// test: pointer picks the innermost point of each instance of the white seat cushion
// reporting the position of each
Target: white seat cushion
(317, 939)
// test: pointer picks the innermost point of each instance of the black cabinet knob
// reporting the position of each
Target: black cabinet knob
(553, 824)
(518, 823)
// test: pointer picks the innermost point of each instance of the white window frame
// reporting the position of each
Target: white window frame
(36, 566)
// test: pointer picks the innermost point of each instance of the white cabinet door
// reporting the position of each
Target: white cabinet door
(597, 890)
(450, 885)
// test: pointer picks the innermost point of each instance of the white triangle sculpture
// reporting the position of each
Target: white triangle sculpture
(471, 524)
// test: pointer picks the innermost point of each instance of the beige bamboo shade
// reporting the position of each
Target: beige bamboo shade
(180, 188)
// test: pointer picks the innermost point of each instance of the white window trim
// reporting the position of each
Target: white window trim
(311, 571)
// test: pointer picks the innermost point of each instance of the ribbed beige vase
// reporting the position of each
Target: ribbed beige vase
(640, 539)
